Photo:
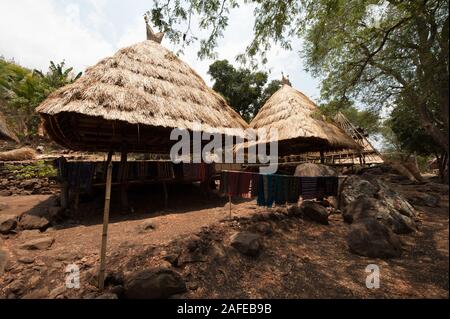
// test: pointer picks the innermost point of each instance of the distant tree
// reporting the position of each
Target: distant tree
(243, 89)
(22, 90)
(367, 119)
(408, 136)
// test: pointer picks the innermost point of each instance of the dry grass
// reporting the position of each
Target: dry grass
(295, 117)
(145, 84)
(21, 154)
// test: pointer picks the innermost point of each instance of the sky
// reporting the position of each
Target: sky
(82, 32)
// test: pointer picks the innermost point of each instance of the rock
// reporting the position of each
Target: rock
(193, 242)
(3, 261)
(330, 201)
(26, 260)
(37, 294)
(353, 187)
(5, 193)
(157, 283)
(147, 226)
(29, 183)
(246, 243)
(192, 286)
(108, 295)
(171, 258)
(30, 222)
(361, 198)
(264, 228)
(57, 292)
(295, 210)
(314, 170)
(7, 223)
(17, 287)
(425, 200)
(370, 238)
(315, 212)
(365, 207)
(38, 244)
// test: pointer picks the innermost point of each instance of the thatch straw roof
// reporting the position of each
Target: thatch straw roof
(5, 132)
(142, 89)
(300, 125)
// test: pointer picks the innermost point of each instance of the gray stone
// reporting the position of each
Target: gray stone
(361, 198)
(314, 170)
(370, 238)
(315, 212)
(38, 244)
(425, 200)
(246, 243)
(160, 283)
(7, 223)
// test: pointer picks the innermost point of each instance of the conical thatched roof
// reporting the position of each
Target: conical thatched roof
(300, 125)
(145, 90)
(5, 132)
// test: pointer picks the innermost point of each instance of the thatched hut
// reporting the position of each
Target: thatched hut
(131, 102)
(5, 131)
(301, 128)
(135, 98)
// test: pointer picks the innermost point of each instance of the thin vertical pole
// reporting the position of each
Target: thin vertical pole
(229, 199)
(123, 179)
(101, 275)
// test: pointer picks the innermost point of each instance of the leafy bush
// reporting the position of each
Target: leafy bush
(39, 169)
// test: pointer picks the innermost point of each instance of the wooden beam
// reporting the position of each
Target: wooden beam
(101, 275)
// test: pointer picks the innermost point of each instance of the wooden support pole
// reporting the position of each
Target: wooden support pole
(123, 175)
(101, 275)
(322, 157)
(229, 199)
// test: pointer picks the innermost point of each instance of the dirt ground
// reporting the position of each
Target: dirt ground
(299, 259)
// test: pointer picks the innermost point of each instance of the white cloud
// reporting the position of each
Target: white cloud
(40, 33)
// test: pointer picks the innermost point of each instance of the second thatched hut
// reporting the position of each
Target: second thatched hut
(300, 126)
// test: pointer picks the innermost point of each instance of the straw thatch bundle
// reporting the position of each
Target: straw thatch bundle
(134, 97)
(21, 154)
(300, 126)
(5, 132)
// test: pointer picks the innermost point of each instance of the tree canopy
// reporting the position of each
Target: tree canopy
(244, 90)
(371, 51)
(22, 90)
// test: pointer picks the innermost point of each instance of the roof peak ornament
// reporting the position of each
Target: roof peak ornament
(285, 79)
(151, 35)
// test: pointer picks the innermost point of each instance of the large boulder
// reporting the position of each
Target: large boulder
(353, 187)
(38, 244)
(362, 198)
(314, 170)
(372, 239)
(315, 212)
(7, 223)
(246, 243)
(158, 283)
(30, 222)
